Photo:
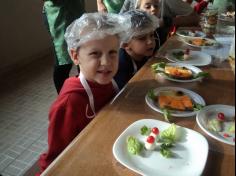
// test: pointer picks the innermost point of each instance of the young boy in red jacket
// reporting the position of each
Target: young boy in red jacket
(93, 42)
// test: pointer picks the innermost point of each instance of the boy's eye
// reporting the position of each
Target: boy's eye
(156, 6)
(142, 38)
(147, 6)
(113, 52)
(145, 37)
(95, 54)
(152, 35)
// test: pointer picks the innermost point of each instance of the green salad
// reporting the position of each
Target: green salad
(165, 141)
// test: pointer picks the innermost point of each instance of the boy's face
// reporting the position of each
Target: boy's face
(141, 46)
(150, 6)
(98, 59)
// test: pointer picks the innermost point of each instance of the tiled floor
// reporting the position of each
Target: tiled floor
(25, 98)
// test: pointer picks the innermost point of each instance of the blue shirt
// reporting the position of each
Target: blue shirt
(126, 68)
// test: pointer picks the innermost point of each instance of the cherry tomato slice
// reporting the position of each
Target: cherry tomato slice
(155, 130)
(150, 139)
(187, 51)
(221, 116)
(226, 135)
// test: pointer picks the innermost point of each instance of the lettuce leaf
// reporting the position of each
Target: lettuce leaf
(134, 146)
(166, 152)
(158, 67)
(201, 74)
(151, 94)
(168, 136)
(214, 125)
(231, 128)
(145, 130)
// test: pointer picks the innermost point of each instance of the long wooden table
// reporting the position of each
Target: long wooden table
(90, 153)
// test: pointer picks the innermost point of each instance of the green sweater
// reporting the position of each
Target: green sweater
(113, 6)
(59, 16)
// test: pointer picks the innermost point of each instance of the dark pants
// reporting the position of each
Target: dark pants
(60, 74)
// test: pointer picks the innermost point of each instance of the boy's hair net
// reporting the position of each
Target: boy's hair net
(141, 23)
(94, 26)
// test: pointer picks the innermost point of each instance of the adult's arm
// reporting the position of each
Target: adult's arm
(181, 13)
(128, 5)
(100, 6)
(186, 20)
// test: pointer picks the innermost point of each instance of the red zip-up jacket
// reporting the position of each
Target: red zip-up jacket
(67, 116)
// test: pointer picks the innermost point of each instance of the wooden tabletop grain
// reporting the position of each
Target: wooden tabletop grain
(90, 153)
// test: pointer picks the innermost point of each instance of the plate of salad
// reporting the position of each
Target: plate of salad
(179, 72)
(152, 147)
(227, 16)
(175, 101)
(190, 33)
(218, 121)
(200, 42)
(186, 56)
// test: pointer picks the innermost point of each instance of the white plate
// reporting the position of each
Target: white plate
(223, 17)
(190, 152)
(226, 30)
(194, 70)
(210, 112)
(195, 97)
(189, 33)
(187, 41)
(197, 58)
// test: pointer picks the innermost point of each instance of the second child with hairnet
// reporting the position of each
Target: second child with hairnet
(93, 42)
(138, 47)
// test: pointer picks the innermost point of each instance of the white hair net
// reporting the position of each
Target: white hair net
(92, 26)
(141, 23)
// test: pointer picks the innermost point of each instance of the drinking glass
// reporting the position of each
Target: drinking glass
(209, 22)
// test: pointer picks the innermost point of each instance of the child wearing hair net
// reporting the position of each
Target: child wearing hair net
(93, 43)
(171, 13)
(151, 7)
(138, 47)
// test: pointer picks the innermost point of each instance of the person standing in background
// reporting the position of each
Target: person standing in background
(111, 6)
(224, 5)
(58, 14)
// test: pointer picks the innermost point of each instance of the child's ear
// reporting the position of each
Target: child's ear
(74, 56)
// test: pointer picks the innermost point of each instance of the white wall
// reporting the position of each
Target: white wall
(23, 36)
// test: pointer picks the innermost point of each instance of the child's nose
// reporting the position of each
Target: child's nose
(150, 40)
(105, 60)
(153, 9)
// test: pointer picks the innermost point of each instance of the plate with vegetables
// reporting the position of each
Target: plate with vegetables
(175, 101)
(179, 72)
(187, 56)
(152, 147)
(200, 42)
(190, 33)
(218, 121)
(227, 16)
